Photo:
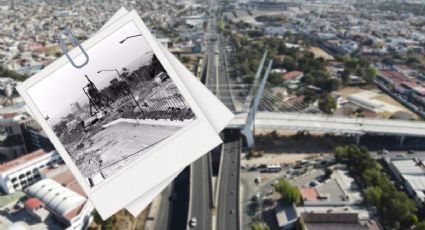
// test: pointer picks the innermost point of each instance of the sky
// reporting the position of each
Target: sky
(54, 94)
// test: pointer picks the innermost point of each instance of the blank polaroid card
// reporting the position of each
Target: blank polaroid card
(214, 110)
(123, 122)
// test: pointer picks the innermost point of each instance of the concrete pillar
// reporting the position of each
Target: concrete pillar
(358, 136)
(401, 138)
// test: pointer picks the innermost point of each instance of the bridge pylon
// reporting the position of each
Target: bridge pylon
(248, 129)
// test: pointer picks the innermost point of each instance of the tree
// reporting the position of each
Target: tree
(394, 207)
(289, 63)
(330, 85)
(308, 79)
(275, 79)
(345, 76)
(327, 104)
(370, 74)
(352, 64)
(12, 74)
(185, 59)
(373, 195)
(289, 193)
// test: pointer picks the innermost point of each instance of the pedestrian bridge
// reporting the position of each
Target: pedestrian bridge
(330, 124)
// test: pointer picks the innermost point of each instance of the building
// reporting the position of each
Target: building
(12, 142)
(36, 209)
(411, 173)
(366, 103)
(292, 78)
(286, 216)
(20, 134)
(68, 207)
(18, 174)
(337, 221)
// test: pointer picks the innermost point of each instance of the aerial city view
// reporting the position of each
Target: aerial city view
(328, 97)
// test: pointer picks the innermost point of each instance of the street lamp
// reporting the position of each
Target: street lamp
(125, 83)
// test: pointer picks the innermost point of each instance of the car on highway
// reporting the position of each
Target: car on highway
(410, 151)
(192, 222)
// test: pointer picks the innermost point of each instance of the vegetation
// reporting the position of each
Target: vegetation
(185, 59)
(359, 67)
(290, 194)
(12, 74)
(258, 226)
(105, 225)
(394, 207)
(220, 24)
(327, 104)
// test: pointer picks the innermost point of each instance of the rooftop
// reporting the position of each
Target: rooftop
(59, 199)
(22, 159)
(67, 179)
(309, 194)
(32, 203)
(413, 171)
(290, 75)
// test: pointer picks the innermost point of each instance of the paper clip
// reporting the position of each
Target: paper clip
(75, 43)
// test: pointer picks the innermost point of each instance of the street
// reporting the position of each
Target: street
(228, 201)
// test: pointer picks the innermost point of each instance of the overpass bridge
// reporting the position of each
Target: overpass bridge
(331, 124)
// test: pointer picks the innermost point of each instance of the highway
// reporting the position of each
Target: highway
(200, 189)
(200, 194)
(228, 201)
(334, 124)
(228, 180)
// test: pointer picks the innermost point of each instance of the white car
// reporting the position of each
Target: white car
(192, 222)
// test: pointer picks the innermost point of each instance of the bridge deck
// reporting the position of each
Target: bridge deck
(321, 123)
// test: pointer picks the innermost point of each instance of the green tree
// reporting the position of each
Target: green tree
(289, 63)
(185, 59)
(352, 64)
(370, 74)
(308, 79)
(12, 74)
(327, 104)
(275, 79)
(289, 193)
(373, 195)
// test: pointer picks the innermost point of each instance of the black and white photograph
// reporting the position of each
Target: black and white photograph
(115, 109)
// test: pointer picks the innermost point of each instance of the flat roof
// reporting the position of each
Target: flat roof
(67, 179)
(22, 159)
(309, 194)
(413, 171)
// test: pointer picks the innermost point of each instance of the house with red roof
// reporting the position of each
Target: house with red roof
(36, 209)
(292, 78)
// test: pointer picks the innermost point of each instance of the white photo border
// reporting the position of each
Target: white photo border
(121, 182)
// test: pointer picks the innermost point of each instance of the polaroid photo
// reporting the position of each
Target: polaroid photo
(121, 121)
(214, 110)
